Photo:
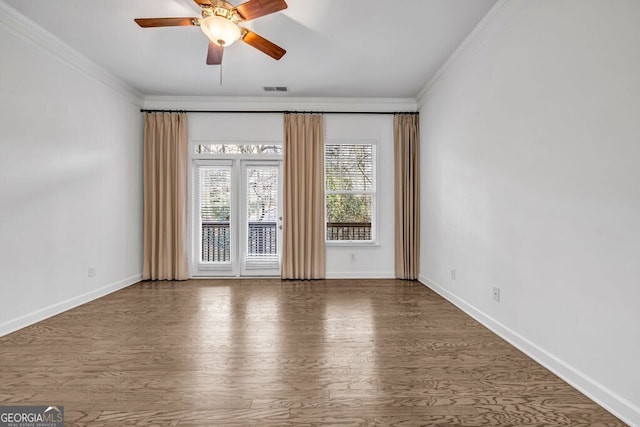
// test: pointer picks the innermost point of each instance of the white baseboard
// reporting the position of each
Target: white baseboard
(612, 402)
(44, 313)
(360, 275)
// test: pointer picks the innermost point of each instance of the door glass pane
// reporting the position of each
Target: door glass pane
(262, 217)
(215, 208)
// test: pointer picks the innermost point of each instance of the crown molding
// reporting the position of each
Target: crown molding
(29, 31)
(238, 103)
(498, 16)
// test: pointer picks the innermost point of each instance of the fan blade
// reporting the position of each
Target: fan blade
(205, 3)
(256, 8)
(165, 22)
(214, 55)
(262, 44)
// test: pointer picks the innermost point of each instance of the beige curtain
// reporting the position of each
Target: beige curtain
(406, 138)
(165, 197)
(303, 251)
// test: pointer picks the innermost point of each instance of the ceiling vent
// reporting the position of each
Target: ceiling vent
(275, 89)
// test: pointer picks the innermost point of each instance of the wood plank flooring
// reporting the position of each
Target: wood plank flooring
(272, 353)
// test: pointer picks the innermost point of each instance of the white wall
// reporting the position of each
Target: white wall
(531, 183)
(370, 261)
(70, 181)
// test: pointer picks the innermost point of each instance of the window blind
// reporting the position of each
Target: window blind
(349, 167)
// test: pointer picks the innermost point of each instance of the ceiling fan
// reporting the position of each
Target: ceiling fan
(220, 22)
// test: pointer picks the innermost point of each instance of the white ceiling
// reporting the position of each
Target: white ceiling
(335, 48)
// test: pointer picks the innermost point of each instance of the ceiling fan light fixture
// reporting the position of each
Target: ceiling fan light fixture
(220, 31)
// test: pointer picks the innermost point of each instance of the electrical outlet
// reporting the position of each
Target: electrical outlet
(453, 274)
(92, 271)
(496, 294)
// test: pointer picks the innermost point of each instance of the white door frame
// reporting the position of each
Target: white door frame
(243, 220)
(237, 220)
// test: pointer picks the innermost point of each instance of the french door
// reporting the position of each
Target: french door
(237, 221)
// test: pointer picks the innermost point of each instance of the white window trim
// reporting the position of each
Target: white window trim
(374, 209)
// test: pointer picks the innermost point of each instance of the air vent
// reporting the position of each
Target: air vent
(275, 89)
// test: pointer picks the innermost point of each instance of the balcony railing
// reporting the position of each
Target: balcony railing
(216, 240)
(348, 231)
(263, 237)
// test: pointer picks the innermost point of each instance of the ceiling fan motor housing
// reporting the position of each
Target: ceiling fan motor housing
(223, 9)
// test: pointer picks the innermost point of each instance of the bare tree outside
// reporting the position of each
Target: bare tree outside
(239, 149)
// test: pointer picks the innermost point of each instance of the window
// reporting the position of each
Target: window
(256, 149)
(350, 192)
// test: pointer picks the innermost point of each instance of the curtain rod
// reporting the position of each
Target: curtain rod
(142, 110)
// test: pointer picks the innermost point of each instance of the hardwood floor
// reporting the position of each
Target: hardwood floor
(272, 353)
